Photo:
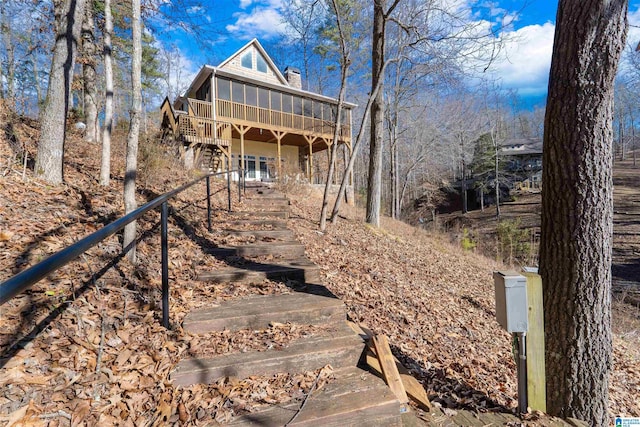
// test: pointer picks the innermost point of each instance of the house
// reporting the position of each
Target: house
(245, 115)
(523, 158)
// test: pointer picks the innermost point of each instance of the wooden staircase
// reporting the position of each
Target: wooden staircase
(355, 397)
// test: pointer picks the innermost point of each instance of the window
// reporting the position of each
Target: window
(276, 102)
(237, 92)
(224, 89)
(297, 105)
(263, 98)
(317, 110)
(261, 64)
(308, 108)
(286, 103)
(251, 93)
(247, 60)
(328, 114)
(202, 93)
(251, 167)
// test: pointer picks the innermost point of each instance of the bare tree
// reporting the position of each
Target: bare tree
(131, 163)
(7, 39)
(68, 21)
(339, 9)
(381, 15)
(303, 18)
(105, 165)
(577, 207)
(89, 75)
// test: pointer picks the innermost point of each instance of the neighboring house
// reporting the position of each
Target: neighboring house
(523, 159)
(245, 115)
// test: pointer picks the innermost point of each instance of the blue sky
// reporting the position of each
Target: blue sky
(523, 65)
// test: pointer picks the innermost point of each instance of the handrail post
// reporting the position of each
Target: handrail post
(165, 264)
(229, 188)
(209, 203)
(239, 188)
(244, 183)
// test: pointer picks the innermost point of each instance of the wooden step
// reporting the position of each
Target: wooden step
(302, 270)
(354, 398)
(276, 224)
(340, 349)
(284, 250)
(262, 234)
(257, 312)
(259, 214)
(267, 202)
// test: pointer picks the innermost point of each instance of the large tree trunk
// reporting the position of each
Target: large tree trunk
(577, 205)
(131, 163)
(374, 187)
(89, 74)
(105, 166)
(49, 160)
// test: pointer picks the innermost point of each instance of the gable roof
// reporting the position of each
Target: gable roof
(207, 70)
(256, 44)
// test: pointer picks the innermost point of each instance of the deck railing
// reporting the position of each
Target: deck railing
(201, 108)
(201, 130)
(249, 114)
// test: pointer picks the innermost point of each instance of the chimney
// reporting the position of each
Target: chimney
(292, 75)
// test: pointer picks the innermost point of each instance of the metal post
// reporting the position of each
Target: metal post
(229, 188)
(209, 203)
(522, 372)
(239, 188)
(165, 265)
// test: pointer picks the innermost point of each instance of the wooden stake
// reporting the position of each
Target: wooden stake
(536, 386)
(388, 366)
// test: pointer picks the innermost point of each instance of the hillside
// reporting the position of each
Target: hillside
(525, 210)
(86, 344)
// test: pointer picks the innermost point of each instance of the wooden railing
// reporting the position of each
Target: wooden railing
(201, 108)
(200, 130)
(234, 111)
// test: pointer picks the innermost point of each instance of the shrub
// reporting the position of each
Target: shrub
(513, 241)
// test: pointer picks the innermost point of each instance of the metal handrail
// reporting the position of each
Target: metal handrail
(25, 279)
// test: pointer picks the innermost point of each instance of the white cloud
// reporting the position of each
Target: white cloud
(245, 4)
(526, 58)
(634, 27)
(262, 21)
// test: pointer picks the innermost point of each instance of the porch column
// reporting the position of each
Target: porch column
(241, 130)
(310, 162)
(310, 139)
(279, 159)
(279, 135)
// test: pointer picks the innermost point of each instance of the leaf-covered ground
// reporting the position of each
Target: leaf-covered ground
(85, 345)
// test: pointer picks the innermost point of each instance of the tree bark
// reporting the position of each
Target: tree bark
(577, 206)
(89, 75)
(131, 162)
(374, 187)
(49, 159)
(105, 166)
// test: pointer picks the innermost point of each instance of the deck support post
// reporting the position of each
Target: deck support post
(310, 140)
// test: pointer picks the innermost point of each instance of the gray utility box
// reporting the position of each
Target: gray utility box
(512, 310)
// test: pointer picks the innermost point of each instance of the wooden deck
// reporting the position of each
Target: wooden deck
(264, 118)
